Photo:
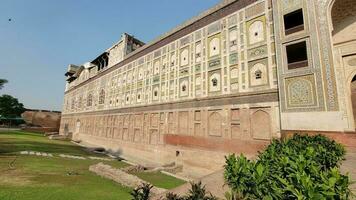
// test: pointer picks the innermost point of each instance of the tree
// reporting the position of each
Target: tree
(10, 106)
(2, 83)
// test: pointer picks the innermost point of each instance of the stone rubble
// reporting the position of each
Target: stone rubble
(121, 177)
(73, 157)
(100, 158)
(36, 153)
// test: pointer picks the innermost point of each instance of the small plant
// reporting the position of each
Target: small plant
(198, 192)
(142, 192)
(171, 196)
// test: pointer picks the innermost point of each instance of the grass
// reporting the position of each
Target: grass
(160, 180)
(55, 178)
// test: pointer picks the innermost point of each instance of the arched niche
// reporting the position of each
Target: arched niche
(261, 125)
(353, 98)
(343, 19)
(215, 123)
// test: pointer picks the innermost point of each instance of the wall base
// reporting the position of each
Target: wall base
(198, 156)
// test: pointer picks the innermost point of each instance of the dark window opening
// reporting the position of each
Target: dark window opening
(155, 93)
(184, 88)
(353, 79)
(294, 22)
(215, 82)
(138, 96)
(258, 74)
(297, 55)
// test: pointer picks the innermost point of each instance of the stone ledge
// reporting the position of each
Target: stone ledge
(121, 177)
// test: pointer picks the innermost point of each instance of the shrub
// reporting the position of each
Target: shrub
(198, 192)
(328, 153)
(142, 192)
(171, 196)
(303, 167)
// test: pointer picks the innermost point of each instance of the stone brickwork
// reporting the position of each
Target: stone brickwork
(229, 80)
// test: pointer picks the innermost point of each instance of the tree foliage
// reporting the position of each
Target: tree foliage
(2, 83)
(10, 106)
(303, 167)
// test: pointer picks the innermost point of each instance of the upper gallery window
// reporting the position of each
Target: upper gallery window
(138, 96)
(297, 55)
(102, 97)
(214, 82)
(140, 73)
(198, 52)
(184, 55)
(256, 32)
(258, 75)
(155, 93)
(156, 67)
(294, 22)
(214, 47)
(184, 88)
(233, 39)
(173, 59)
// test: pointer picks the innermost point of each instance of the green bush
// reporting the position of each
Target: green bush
(328, 153)
(303, 167)
(142, 192)
(197, 192)
(172, 196)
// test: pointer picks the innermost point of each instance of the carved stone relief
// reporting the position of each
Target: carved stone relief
(301, 91)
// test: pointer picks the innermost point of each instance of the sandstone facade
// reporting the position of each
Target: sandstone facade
(229, 80)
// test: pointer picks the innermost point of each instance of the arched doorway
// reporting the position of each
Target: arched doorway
(343, 19)
(353, 98)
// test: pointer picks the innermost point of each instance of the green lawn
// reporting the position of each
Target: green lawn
(159, 179)
(55, 178)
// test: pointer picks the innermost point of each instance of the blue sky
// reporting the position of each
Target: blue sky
(44, 36)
